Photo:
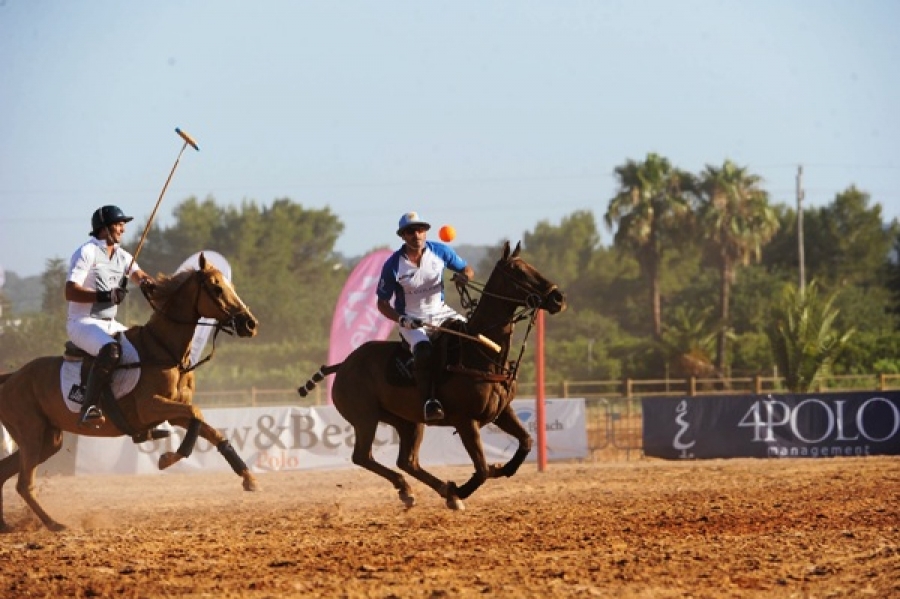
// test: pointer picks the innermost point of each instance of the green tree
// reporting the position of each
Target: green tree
(649, 213)
(735, 221)
(688, 341)
(54, 282)
(805, 341)
(856, 241)
(564, 252)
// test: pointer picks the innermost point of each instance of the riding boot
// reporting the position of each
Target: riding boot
(98, 380)
(422, 365)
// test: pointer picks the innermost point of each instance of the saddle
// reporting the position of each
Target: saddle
(446, 351)
(72, 353)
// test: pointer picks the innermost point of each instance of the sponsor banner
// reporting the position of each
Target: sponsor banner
(296, 438)
(803, 425)
(356, 317)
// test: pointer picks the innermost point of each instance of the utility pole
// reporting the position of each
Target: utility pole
(800, 255)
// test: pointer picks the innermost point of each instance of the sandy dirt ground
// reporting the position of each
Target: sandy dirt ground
(644, 528)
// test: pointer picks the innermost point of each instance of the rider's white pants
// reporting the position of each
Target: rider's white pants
(90, 334)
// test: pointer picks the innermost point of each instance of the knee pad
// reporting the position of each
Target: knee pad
(422, 355)
(109, 355)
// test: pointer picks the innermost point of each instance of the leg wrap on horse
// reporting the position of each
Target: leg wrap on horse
(190, 438)
(101, 372)
(231, 456)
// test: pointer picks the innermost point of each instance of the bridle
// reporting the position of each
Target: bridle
(528, 306)
(226, 323)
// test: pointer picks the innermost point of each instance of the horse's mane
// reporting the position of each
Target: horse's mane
(167, 286)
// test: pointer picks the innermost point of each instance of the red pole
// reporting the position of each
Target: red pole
(539, 395)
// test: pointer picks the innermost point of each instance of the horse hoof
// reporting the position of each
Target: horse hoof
(167, 459)
(407, 499)
(56, 526)
(249, 482)
(455, 503)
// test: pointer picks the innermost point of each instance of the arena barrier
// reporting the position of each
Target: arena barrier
(775, 426)
(281, 438)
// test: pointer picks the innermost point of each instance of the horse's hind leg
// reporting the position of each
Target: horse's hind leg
(411, 435)
(9, 467)
(362, 456)
(30, 457)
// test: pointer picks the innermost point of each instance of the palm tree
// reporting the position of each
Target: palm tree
(735, 221)
(803, 337)
(648, 212)
(689, 339)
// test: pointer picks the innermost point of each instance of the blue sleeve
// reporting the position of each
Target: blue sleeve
(387, 284)
(446, 253)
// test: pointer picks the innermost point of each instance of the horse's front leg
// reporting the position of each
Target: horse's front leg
(195, 427)
(510, 424)
(470, 435)
(189, 417)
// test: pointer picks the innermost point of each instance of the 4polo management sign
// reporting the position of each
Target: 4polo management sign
(776, 426)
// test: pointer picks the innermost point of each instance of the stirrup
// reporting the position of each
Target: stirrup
(92, 417)
(433, 410)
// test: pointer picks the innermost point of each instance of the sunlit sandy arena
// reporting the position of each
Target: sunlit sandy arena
(644, 528)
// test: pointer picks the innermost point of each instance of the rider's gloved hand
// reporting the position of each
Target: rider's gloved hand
(408, 322)
(115, 296)
(148, 285)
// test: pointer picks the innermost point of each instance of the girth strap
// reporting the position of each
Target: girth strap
(494, 377)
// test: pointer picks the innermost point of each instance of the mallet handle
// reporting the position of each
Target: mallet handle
(477, 338)
(188, 140)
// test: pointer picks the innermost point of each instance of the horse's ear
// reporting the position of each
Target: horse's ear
(202, 261)
(505, 250)
(518, 249)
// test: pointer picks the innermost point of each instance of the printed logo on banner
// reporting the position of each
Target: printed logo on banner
(683, 426)
(841, 430)
(820, 425)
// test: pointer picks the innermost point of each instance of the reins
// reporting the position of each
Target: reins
(529, 308)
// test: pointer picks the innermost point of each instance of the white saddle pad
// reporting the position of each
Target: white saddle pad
(123, 381)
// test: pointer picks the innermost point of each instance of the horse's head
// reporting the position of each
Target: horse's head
(218, 300)
(518, 281)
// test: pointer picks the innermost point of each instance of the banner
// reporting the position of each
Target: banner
(297, 438)
(356, 317)
(201, 334)
(807, 425)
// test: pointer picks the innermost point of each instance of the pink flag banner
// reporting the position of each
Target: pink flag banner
(356, 316)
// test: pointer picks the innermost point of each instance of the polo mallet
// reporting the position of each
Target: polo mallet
(477, 338)
(188, 141)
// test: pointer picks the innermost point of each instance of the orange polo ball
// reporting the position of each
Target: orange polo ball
(447, 233)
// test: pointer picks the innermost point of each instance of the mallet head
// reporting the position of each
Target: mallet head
(187, 139)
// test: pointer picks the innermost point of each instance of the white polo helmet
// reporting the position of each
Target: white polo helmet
(411, 219)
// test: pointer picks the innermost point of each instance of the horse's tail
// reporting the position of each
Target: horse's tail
(317, 378)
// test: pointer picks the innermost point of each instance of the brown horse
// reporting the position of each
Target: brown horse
(33, 410)
(476, 386)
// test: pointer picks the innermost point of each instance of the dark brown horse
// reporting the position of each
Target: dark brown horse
(34, 412)
(476, 387)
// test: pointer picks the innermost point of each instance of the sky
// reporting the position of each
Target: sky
(492, 116)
